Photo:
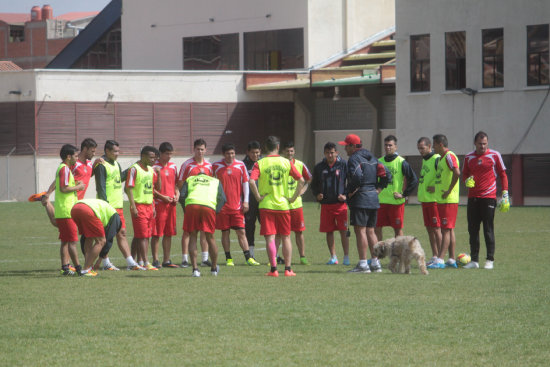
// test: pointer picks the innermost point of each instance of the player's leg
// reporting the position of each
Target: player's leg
(345, 245)
(488, 214)
(226, 244)
(193, 248)
(473, 214)
(212, 251)
(166, 247)
(204, 250)
(155, 240)
(93, 247)
(330, 244)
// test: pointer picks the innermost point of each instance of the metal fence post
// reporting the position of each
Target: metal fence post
(8, 172)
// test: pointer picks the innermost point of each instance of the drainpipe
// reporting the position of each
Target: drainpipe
(345, 25)
(8, 173)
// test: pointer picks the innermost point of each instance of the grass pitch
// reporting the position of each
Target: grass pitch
(324, 316)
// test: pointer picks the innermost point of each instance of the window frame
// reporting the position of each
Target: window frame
(495, 58)
(420, 84)
(540, 65)
(459, 72)
(232, 59)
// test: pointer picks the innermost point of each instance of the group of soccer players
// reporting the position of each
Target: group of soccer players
(233, 194)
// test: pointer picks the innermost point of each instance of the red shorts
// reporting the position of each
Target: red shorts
(143, 224)
(87, 222)
(199, 218)
(274, 222)
(390, 215)
(230, 219)
(447, 215)
(67, 229)
(431, 216)
(165, 221)
(334, 217)
(120, 212)
(297, 223)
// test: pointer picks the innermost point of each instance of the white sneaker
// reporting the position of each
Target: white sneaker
(375, 266)
(196, 274)
(215, 272)
(488, 264)
(471, 265)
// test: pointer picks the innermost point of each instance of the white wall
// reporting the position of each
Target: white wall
(131, 86)
(161, 47)
(503, 113)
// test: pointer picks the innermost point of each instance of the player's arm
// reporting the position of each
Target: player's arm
(100, 174)
(384, 177)
(220, 199)
(454, 180)
(299, 188)
(246, 194)
(412, 180)
(306, 174)
(130, 183)
(254, 175)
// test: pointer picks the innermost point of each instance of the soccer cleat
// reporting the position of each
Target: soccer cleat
(346, 260)
(229, 262)
(206, 263)
(215, 271)
(436, 265)
(489, 264)
(333, 261)
(252, 262)
(303, 260)
(67, 272)
(156, 264)
(135, 267)
(72, 268)
(272, 274)
(89, 273)
(432, 260)
(375, 266)
(289, 273)
(451, 264)
(360, 269)
(280, 260)
(37, 197)
(169, 264)
(184, 264)
(196, 273)
(150, 267)
(471, 265)
(110, 267)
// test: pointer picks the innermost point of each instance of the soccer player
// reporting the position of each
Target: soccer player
(253, 154)
(139, 188)
(81, 170)
(446, 195)
(234, 180)
(481, 168)
(191, 167)
(271, 173)
(426, 194)
(329, 188)
(297, 224)
(202, 197)
(165, 206)
(393, 197)
(65, 197)
(98, 223)
(108, 183)
(366, 177)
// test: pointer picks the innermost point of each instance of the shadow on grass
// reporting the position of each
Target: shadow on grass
(42, 273)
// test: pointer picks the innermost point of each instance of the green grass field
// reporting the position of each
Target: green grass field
(324, 316)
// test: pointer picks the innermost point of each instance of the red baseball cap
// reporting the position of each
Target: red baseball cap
(351, 139)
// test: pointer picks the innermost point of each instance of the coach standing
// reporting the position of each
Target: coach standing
(366, 177)
(481, 168)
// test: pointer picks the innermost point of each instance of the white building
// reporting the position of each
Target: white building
(465, 66)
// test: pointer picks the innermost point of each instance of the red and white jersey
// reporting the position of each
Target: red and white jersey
(191, 168)
(485, 168)
(169, 175)
(64, 176)
(234, 180)
(82, 171)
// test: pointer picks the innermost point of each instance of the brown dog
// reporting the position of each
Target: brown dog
(401, 250)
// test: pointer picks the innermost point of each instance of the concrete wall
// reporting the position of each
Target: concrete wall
(504, 113)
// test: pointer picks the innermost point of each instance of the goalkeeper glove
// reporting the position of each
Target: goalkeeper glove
(470, 183)
(504, 202)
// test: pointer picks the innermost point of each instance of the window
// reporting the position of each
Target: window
(216, 52)
(493, 57)
(274, 50)
(420, 63)
(455, 60)
(17, 33)
(537, 54)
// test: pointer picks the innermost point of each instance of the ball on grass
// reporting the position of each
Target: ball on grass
(463, 259)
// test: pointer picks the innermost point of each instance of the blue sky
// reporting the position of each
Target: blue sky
(59, 6)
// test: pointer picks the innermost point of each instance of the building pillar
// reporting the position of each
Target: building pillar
(517, 180)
